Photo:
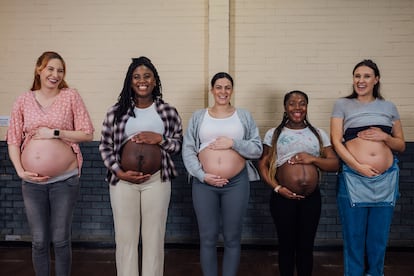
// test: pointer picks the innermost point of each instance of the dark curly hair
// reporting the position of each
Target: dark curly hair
(127, 95)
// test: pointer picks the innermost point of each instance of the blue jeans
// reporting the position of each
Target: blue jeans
(365, 233)
(230, 204)
(49, 210)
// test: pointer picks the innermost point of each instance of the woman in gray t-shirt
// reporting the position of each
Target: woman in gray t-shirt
(365, 131)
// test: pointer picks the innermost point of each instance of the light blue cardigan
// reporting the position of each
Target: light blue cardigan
(250, 147)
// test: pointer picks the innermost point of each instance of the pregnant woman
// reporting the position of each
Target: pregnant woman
(46, 125)
(139, 135)
(217, 147)
(366, 133)
(293, 155)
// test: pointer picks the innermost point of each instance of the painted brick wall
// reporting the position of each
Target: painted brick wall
(93, 216)
(269, 46)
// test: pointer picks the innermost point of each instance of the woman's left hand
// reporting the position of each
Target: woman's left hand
(301, 158)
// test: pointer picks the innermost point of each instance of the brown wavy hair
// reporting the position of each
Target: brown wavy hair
(376, 91)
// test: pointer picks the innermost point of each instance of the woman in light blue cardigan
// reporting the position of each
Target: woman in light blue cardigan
(218, 147)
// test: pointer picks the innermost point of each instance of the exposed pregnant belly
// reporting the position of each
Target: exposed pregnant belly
(225, 163)
(299, 178)
(375, 154)
(144, 158)
(48, 157)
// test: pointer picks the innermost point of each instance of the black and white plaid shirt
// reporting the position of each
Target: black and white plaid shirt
(112, 136)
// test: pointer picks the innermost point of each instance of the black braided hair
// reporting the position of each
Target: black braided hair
(279, 128)
(127, 95)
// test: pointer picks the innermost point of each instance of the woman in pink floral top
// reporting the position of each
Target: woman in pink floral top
(46, 125)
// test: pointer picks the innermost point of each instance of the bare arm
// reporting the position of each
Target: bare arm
(74, 136)
(15, 155)
(338, 146)
(342, 151)
(329, 162)
(263, 166)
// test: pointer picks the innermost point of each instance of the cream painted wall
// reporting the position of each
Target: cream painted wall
(97, 39)
(281, 45)
(269, 46)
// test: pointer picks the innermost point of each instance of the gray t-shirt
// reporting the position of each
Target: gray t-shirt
(357, 114)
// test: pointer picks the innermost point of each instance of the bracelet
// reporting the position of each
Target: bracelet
(277, 188)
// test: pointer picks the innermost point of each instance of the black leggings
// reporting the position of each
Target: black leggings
(296, 223)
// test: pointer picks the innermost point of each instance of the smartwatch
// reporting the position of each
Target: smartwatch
(56, 133)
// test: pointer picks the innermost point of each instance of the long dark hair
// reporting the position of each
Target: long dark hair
(376, 90)
(221, 75)
(279, 128)
(127, 95)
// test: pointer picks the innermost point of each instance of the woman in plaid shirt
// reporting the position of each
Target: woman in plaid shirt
(139, 135)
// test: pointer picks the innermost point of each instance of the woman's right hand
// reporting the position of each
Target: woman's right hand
(215, 180)
(367, 170)
(32, 177)
(133, 176)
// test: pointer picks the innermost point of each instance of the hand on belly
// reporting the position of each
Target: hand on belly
(215, 180)
(145, 158)
(223, 163)
(299, 178)
(374, 157)
(48, 157)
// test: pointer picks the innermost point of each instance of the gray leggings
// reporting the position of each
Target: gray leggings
(228, 203)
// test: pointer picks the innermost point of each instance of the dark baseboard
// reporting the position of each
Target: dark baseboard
(188, 246)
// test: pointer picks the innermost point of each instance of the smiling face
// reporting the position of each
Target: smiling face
(364, 80)
(296, 108)
(222, 91)
(143, 82)
(52, 74)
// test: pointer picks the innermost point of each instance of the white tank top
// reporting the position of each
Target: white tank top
(211, 128)
(146, 119)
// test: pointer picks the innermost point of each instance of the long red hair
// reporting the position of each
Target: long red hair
(42, 63)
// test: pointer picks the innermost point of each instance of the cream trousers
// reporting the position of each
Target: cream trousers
(142, 207)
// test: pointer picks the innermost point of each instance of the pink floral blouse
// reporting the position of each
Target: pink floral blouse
(67, 112)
